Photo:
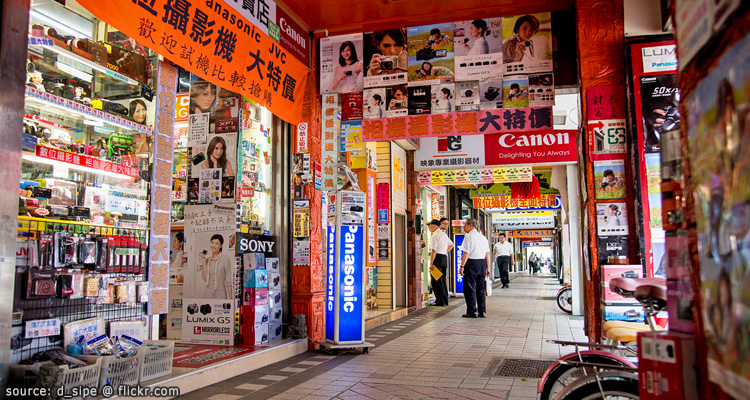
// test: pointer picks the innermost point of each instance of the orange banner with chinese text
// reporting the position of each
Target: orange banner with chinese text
(210, 39)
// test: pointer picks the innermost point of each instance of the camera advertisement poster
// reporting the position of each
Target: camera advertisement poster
(478, 48)
(443, 97)
(527, 43)
(467, 96)
(431, 52)
(420, 99)
(341, 65)
(397, 101)
(609, 178)
(198, 131)
(386, 58)
(373, 103)
(491, 94)
(659, 99)
(718, 138)
(612, 219)
(208, 321)
(516, 91)
(541, 90)
(212, 163)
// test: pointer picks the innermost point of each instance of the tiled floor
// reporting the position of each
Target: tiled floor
(429, 354)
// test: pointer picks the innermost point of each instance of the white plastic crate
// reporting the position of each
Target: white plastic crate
(55, 376)
(118, 371)
(155, 363)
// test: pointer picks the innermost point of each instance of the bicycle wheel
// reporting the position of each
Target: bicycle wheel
(560, 376)
(614, 386)
(565, 300)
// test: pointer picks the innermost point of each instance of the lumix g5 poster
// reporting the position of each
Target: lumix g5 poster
(527, 43)
(431, 52)
(478, 47)
(718, 136)
(209, 288)
(386, 58)
(341, 65)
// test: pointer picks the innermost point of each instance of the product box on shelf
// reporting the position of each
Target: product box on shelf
(276, 313)
(609, 296)
(255, 296)
(255, 278)
(254, 334)
(254, 261)
(621, 271)
(623, 312)
(274, 280)
(274, 298)
(666, 366)
(254, 314)
(275, 330)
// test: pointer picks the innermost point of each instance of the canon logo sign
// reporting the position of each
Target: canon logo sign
(542, 139)
(292, 33)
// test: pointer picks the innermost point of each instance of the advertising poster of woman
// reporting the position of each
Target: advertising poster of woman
(478, 49)
(386, 58)
(527, 43)
(431, 52)
(341, 66)
(718, 137)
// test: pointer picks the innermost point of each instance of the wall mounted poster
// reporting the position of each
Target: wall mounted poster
(612, 219)
(718, 138)
(609, 179)
(341, 66)
(478, 47)
(431, 52)
(209, 275)
(527, 43)
(386, 58)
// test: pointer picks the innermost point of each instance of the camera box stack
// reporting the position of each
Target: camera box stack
(261, 300)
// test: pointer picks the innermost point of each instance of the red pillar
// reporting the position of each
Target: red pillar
(602, 62)
(308, 289)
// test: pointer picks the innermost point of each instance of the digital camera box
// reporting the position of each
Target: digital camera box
(254, 334)
(251, 315)
(623, 312)
(275, 330)
(255, 296)
(255, 278)
(274, 298)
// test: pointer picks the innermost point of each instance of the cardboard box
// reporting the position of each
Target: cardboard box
(274, 298)
(254, 334)
(275, 314)
(666, 366)
(275, 330)
(608, 296)
(255, 278)
(257, 296)
(274, 280)
(623, 312)
(251, 315)
(621, 271)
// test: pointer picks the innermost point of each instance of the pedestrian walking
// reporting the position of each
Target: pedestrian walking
(440, 245)
(475, 267)
(504, 257)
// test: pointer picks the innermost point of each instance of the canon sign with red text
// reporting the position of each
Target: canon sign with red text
(540, 147)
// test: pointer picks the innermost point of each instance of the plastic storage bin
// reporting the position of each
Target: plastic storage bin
(117, 371)
(55, 376)
(157, 362)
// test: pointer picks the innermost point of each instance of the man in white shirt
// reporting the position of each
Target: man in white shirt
(475, 266)
(440, 245)
(504, 256)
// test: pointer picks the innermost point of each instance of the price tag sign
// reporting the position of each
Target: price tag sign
(42, 328)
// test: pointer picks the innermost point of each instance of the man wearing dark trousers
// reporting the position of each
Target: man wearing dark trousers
(475, 267)
(504, 253)
(440, 245)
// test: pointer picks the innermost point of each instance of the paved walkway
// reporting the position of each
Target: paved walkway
(432, 353)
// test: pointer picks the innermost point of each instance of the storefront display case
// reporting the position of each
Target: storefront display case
(255, 185)
(85, 182)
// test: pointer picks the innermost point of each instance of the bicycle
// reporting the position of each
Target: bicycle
(565, 298)
(583, 378)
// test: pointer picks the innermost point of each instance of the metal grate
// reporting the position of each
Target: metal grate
(522, 368)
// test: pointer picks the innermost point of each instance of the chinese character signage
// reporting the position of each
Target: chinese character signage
(465, 123)
(384, 203)
(537, 233)
(301, 218)
(215, 42)
(507, 202)
(161, 189)
(85, 161)
(461, 176)
(302, 135)
(329, 142)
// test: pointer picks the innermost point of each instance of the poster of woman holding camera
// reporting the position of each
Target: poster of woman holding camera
(386, 54)
(215, 268)
(528, 47)
(347, 75)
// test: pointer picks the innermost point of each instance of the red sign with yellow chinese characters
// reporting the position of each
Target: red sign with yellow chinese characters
(211, 40)
(456, 124)
(544, 201)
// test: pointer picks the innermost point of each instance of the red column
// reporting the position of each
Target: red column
(308, 289)
(602, 62)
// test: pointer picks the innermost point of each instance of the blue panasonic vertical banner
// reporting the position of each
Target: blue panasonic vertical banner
(351, 263)
(330, 283)
(458, 240)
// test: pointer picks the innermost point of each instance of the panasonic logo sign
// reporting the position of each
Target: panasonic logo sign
(350, 259)
(331, 266)
(546, 139)
(299, 39)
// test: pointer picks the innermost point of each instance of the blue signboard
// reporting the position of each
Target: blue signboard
(383, 216)
(330, 282)
(351, 295)
(458, 240)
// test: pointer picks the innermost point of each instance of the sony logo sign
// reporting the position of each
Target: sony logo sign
(541, 139)
(256, 245)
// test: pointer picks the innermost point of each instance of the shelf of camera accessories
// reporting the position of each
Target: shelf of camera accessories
(95, 229)
(49, 99)
(79, 63)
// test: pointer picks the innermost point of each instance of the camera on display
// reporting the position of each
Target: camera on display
(198, 158)
(468, 93)
(205, 309)
(492, 93)
(466, 40)
(348, 73)
(399, 103)
(425, 53)
(671, 119)
(527, 43)
(192, 309)
(388, 63)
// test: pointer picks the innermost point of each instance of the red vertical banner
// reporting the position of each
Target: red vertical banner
(384, 203)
